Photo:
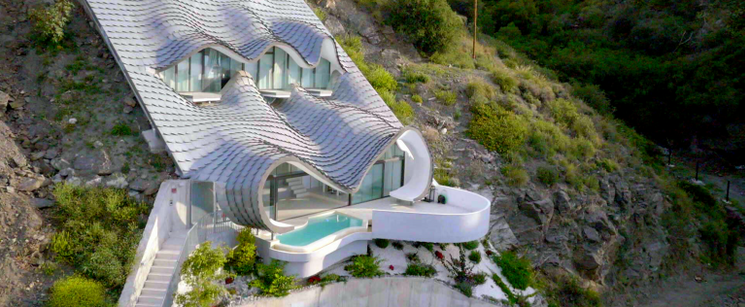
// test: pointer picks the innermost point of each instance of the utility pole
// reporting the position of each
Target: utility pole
(475, 18)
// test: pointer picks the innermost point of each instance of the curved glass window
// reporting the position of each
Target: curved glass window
(209, 70)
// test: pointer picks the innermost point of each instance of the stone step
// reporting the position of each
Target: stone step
(153, 292)
(164, 262)
(158, 277)
(156, 284)
(148, 305)
(301, 195)
(150, 300)
(166, 255)
(162, 269)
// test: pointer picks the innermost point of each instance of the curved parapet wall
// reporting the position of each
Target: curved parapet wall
(236, 142)
(472, 224)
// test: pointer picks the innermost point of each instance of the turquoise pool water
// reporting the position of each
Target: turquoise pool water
(317, 228)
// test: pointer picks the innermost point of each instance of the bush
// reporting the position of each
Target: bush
(593, 96)
(569, 293)
(505, 81)
(479, 88)
(608, 165)
(380, 79)
(431, 24)
(203, 273)
(365, 266)
(479, 278)
(447, 98)
(547, 175)
(517, 270)
(582, 149)
(271, 279)
(546, 139)
(497, 129)
(241, 259)
(403, 111)
(121, 129)
(98, 232)
(415, 77)
(398, 245)
(516, 175)
(76, 291)
(471, 245)
(720, 240)
(475, 256)
(427, 245)
(320, 13)
(419, 269)
(417, 99)
(382, 243)
(49, 23)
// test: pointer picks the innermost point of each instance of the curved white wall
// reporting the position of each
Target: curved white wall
(417, 168)
(437, 227)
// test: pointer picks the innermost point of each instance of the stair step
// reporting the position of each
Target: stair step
(166, 255)
(301, 195)
(148, 305)
(156, 284)
(150, 300)
(154, 292)
(158, 277)
(162, 269)
(164, 262)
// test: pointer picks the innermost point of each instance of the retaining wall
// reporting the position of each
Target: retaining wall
(376, 292)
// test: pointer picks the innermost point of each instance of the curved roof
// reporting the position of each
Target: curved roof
(237, 142)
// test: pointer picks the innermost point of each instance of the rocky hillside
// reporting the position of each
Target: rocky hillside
(578, 193)
(66, 114)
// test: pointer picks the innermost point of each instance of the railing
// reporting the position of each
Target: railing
(209, 224)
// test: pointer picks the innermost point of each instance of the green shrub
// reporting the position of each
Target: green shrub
(546, 139)
(382, 243)
(497, 129)
(202, 272)
(241, 259)
(271, 279)
(98, 231)
(442, 176)
(471, 245)
(475, 256)
(380, 79)
(517, 270)
(547, 175)
(417, 98)
(431, 24)
(479, 278)
(447, 98)
(49, 22)
(49, 268)
(398, 245)
(457, 114)
(506, 82)
(569, 293)
(510, 296)
(76, 291)
(121, 129)
(365, 266)
(419, 269)
(403, 111)
(582, 149)
(415, 77)
(720, 240)
(515, 174)
(593, 96)
(479, 88)
(608, 165)
(413, 257)
(427, 245)
(563, 111)
(100, 267)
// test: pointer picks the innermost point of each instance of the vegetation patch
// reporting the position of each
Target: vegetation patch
(431, 24)
(202, 272)
(241, 259)
(382, 243)
(497, 129)
(365, 266)
(77, 291)
(271, 279)
(49, 22)
(419, 269)
(517, 270)
(98, 232)
(547, 175)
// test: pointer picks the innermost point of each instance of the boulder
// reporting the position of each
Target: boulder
(563, 202)
(31, 184)
(139, 185)
(540, 210)
(42, 203)
(591, 234)
(4, 98)
(598, 219)
(38, 155)
(60, 164)
(117, 181)
(588, 261)
(501, 235)
(130, 102)
(94, 162)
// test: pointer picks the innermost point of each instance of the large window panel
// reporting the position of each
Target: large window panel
(212, 69)
(253, 69)
(224, 70)
(293, 76)
(169, 76)
(323, 72)
(265, 70)
(308, 78)
(280, 69)
(235, 66)
(182, 77)
(196, 72)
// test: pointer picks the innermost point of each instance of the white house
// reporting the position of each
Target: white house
(277, 130)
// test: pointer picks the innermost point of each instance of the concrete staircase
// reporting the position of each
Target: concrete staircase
(159, 277)
(297, 187)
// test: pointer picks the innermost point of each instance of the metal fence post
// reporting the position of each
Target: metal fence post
(727, 198)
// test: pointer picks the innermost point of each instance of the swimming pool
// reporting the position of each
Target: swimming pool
(317, 228)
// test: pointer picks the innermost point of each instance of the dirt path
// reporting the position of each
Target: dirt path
(716, 290)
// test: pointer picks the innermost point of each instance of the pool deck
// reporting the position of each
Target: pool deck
(365, 210)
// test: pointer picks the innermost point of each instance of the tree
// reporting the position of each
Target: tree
(202, 271)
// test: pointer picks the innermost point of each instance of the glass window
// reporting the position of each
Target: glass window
(182, 76)
(265, 70)
(196, 72)
(371, 187)
(235, 66)
(224, 70)
(293, 76)
(307, 78)
(169, 76)
(252, 68)
(322, 74)
(280, 69)
(211, 79)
